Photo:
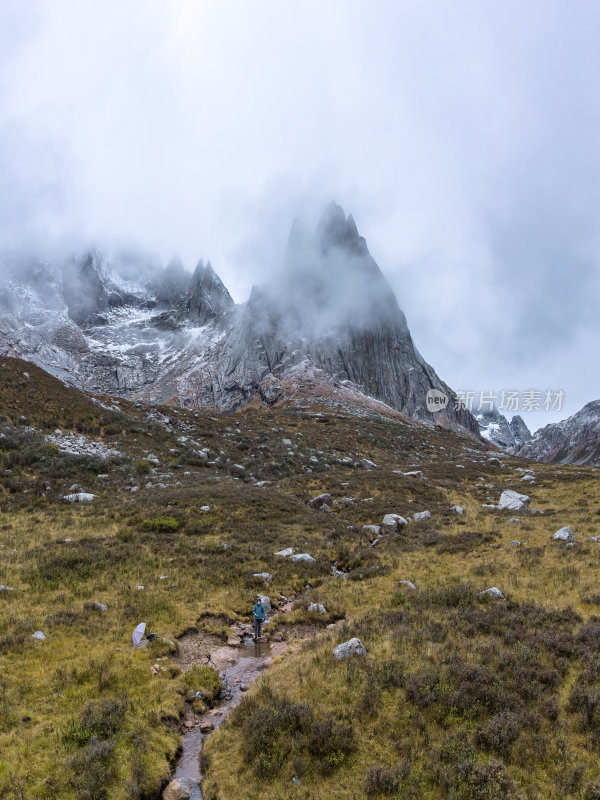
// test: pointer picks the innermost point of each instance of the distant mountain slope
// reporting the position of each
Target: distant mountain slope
(494, 427)
(169, 337)
(575, 440)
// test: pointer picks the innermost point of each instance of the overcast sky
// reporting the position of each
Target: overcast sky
(462, 135)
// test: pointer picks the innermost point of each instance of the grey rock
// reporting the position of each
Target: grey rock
(514, 520)
(494, 592)
(421, 515)
(564, 534)
(353, 647)
(39, 635)
(238, 469)
(535, 511)
(100, 606)
(320, 500)
(79, 497)
(365, 463)
(514, 543)
(513, 501)
(338, 573)
(4, 588)
(317, 607)
(457, 510)
(392, 522)
(371, 530)
(347, 501)
(265, 602)
(302, 558)
(266, 576)
(182, 789)
(408, 584)
(288, 551)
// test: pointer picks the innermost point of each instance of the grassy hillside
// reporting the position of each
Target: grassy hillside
(459, 695)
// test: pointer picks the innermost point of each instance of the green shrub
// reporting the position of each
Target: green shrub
(202, 678)
(142, 467)
(161, 524)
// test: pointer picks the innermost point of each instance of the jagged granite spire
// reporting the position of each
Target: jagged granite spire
(207, 296)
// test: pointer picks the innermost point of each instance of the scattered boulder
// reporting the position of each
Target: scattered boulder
(353, 647)
(365, 463)
(416, 473)
(409, 585)
(152, 459)
(320, 500)
(266, 576)
(514, 521)
(535, 511)
(182, 789)
(347, 501)
(205, 508)
(4, 588)
(392, 522)
(265, 602)
(206, 726)
(371, 530)
(513, 501)
(99, 606)
(39, 635)
(338, 573)
(288, 551)
(457, 510)
(79, 497)
(564, 535)
(590, 539)
(420, 515)
(514, 543)
(318, 607)
(495, 462)
(239, 470)
(302, 557)
(494, 592)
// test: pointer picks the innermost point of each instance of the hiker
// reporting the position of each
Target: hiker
(259, 614)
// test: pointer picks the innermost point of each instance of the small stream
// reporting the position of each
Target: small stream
(241, 667)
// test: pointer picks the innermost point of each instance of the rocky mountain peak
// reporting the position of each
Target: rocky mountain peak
(207, 296)
(575, 440)
(335, 229)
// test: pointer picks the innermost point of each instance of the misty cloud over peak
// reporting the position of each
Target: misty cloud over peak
(329, 279)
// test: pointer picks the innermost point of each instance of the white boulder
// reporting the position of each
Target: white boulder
(564, 535)
(513, 501)
(392, 522)
(353, 647)
(494, 592)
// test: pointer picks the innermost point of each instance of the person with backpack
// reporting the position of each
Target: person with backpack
(259, 614)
